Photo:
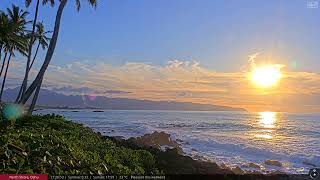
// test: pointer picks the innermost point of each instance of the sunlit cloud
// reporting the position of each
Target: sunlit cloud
(181, 81)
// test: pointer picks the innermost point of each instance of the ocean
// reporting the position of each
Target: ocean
(234, 139)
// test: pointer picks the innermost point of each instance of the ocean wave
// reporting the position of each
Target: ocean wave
(211, 149)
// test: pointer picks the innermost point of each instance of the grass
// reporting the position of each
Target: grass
(50, 144)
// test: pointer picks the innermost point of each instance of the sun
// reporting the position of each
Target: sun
(266, 76)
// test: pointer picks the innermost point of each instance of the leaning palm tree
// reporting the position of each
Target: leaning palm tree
(16, 39)
(36, 84)
(32, 37)
(41, 37)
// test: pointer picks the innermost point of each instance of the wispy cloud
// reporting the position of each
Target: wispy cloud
(182, 81)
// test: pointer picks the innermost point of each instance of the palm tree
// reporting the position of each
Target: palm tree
(3, 20)
(41, 37)
(39, 78)
(17, 33)
(16, 39)
(4, 31)
(32, 37)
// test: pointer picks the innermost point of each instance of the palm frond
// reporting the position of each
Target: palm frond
(28, 2)
(93, 3)
(44, 2)
(78, 4)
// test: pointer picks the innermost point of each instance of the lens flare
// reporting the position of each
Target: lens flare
(13, 111)
(92, 97)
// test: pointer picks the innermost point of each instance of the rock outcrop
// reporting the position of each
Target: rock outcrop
(156, 140)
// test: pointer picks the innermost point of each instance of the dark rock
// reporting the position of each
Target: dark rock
(197, 157)
(253, 165)
(115, 138)
(237, 170)
(223, 166)
(273, 163)
(172, 161)
(277, 172)
(253, 172)
(156, 139)
(118, 138)
(98, 111)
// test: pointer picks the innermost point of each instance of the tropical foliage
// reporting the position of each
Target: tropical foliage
(50, 144)
(15, 37)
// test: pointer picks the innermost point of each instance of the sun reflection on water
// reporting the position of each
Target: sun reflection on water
(267, 121)
(264, 136)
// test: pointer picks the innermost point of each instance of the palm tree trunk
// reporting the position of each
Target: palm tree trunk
(50, 51)
(35, 55)
(19, 95)
(36, 94)
(34, 99)
(25, 80)
(0, 51)
(5, 77)
(3, 62)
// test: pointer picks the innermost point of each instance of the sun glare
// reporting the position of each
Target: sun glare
(266, 76)
(267, 119)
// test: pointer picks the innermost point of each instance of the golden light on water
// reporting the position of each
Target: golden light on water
(264, 136)
(267, 121)
(266, 76)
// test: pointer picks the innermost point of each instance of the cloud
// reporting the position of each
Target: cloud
(70, 89)
(85, 90)
(181, 81)
(116, 92)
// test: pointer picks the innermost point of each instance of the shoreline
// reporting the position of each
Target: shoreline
(66, 147)
(165, 149)
(228, 154)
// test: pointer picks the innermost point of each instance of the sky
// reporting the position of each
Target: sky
(186, 50)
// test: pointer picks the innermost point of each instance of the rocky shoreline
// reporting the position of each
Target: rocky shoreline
(173, 160)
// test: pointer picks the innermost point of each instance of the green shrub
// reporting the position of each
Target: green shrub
(50, 144)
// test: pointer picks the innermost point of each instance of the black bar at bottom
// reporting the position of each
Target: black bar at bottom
(181, 177)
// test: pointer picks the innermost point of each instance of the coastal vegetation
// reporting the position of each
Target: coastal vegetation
(50, 144)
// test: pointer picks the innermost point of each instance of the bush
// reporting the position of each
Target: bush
(50, 144)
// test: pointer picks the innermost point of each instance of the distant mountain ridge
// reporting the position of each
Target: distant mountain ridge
(48, 98)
